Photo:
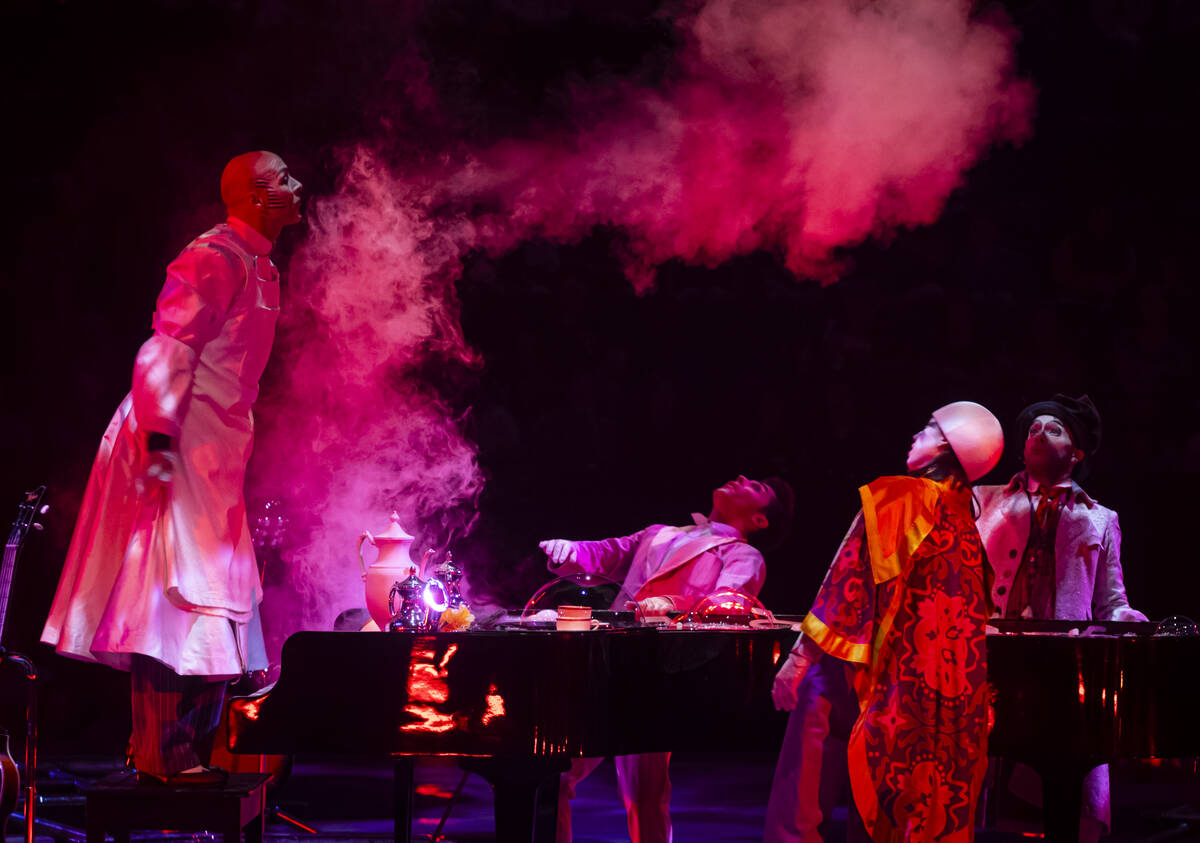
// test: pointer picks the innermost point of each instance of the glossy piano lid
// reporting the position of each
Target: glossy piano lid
(1177, 625)
(595, 591)
(1068, 628)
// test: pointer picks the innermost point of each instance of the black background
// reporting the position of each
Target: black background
(1064, 264)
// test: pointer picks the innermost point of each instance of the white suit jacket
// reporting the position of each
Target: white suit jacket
(684, 563)
(1087, 550)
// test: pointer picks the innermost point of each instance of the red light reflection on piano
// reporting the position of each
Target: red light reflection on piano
(1082, 690)
(495, 705)
(249, 708)
(1116, 696)
(432, 720)
(427, 684)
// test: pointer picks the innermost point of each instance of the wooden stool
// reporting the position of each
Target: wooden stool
(120, 808)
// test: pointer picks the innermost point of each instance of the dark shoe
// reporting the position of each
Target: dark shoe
(207, 777)
(149, 780)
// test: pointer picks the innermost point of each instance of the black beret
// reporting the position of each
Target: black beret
(1078, 414)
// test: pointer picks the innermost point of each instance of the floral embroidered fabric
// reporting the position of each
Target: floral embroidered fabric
(919, 749)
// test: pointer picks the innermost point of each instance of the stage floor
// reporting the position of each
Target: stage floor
(715, 799)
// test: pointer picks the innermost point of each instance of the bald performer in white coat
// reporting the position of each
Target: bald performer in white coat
(160, 578)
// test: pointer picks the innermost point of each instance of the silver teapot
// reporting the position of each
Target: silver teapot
(413, 614)
(451, 576)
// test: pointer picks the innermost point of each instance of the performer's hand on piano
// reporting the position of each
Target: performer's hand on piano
(1128, 613)
(786, 687)
(559, 552)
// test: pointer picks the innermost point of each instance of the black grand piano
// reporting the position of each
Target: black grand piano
(516, 706)
(1070, 695)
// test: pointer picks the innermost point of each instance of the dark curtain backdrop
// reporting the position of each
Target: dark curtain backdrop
(1064, 264)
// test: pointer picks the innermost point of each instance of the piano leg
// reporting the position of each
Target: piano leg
(402, 791)
(525, 791)
(1062, 793)
(545, 828)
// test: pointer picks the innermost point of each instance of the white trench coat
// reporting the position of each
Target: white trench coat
(171, 573)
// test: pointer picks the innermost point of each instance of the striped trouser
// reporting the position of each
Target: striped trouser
(174, 717)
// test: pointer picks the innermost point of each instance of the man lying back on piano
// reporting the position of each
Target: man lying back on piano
(1055, 551)
(669, 569)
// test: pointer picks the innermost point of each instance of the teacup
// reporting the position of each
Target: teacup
(575, 619)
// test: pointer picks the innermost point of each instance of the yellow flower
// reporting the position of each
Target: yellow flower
(455, 619)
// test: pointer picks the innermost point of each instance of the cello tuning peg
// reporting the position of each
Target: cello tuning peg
(44, 509)
(38, 526)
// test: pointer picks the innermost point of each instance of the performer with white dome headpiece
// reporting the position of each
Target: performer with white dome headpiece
(889, 676)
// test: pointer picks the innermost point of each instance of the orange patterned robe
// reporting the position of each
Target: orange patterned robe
(906, 599)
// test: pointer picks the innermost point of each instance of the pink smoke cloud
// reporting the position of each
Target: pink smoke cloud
(795, 127)
(357, 431)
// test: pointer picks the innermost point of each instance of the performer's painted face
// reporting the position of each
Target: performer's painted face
(1049, 446)
(927, 445)
(742, 497)
(278, 189)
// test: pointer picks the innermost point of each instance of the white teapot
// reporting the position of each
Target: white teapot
(393, 564)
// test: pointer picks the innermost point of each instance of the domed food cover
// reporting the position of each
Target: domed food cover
(605, 596)
(728, 608)
(1178, 626)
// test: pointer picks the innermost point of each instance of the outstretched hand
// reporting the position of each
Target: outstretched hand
(559, 551)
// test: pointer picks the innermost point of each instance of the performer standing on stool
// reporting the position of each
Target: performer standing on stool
(897, 639)
(160, 578)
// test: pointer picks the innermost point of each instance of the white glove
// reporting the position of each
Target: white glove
(1128, 613)
(157, 473)
(785, 688)
(559, 552)
(653, 605)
